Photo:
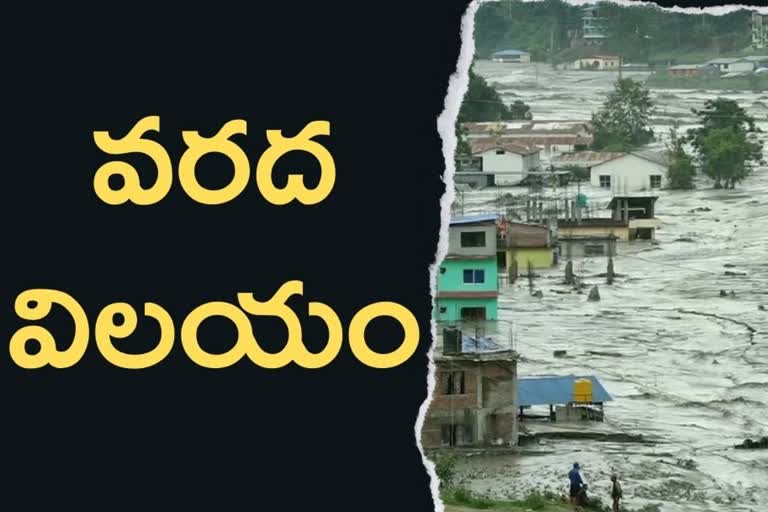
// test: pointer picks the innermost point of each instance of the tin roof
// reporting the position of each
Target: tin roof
(505, 53)
(483, 218)
(555, 390)
(589, 157)
(483, 145)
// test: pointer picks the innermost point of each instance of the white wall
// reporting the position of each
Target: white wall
(629, 173)
(737, 67)
(508, 162)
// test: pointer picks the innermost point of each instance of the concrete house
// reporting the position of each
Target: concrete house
(475, 397)
(693, 70)
(468, 280)
(732, 65)
(586, 246)
(598, 62)
(511, 56)
(632, 218)
(505, 162)
(520, 244)
(631, 172)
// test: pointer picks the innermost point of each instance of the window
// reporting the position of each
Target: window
(605, 181)
(473, 239)
(656, 181)
(474, 276)
(594, 250)
(454, 383)
(442, 270)
(499, 151)
(443, 309)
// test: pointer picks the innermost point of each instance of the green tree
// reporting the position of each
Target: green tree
(725, 143)
(462, 144)
(519, 110)
(726, 155)
(681, 172)
(482, 103)
(622, 122)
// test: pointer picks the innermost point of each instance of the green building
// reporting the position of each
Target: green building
(468, 281)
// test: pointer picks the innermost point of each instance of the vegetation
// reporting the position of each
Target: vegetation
(640, 34)
(682, 172)
(445, 468)
(622, 122)
(725, 144)
(538, 502)
(482, 103)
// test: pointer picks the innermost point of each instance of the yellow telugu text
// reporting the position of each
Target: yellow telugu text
(34, 305)
(197, 147)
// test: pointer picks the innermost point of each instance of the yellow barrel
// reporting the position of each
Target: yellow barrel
(582, 390)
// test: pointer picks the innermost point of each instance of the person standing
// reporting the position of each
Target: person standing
(616, 492)
(574, 476)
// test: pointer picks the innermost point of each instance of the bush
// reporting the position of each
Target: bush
(462, 496)
(445, 468)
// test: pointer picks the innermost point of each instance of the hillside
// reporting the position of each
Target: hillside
(640, 34)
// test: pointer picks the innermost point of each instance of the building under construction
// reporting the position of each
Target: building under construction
(475, 397)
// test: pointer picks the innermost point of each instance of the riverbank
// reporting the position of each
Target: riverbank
(461, 500)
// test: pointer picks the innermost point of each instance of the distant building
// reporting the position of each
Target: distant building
(759, 30)
(475, 397)
(468, 282)
(510, 163)
(598, 62)
(551, 137)
(593, 32)
(757, 61)
(519, 244)
(692, 70)
(631, 172)
(732, 64)
(511, 56)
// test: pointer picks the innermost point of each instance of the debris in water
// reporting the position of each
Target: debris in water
(730, 273)
(594, 294)
(560, 353)
(538, 294)
(749, 444)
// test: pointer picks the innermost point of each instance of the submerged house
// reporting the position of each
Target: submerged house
(520, 244)
(475, 396)
(631, 172)
(468, 282)
(568, 398)
(632, 218)
(639, 213)
(511, 56)
(586, 246)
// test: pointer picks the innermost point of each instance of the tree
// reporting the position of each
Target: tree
(681, 170)
(462, 144)
(519, 110)
(725, 142)
(482, 103)
(726, 155)
(622, 122)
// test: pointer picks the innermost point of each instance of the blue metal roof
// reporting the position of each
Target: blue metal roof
(474, 219)
(502, 53)
(555, 390)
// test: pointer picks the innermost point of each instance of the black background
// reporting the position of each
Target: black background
(337, 438)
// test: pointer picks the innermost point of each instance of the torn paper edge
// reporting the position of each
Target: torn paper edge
(458, 84)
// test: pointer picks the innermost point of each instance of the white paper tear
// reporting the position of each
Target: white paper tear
(446, 127)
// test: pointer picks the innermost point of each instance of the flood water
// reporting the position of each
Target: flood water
(684, 365)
